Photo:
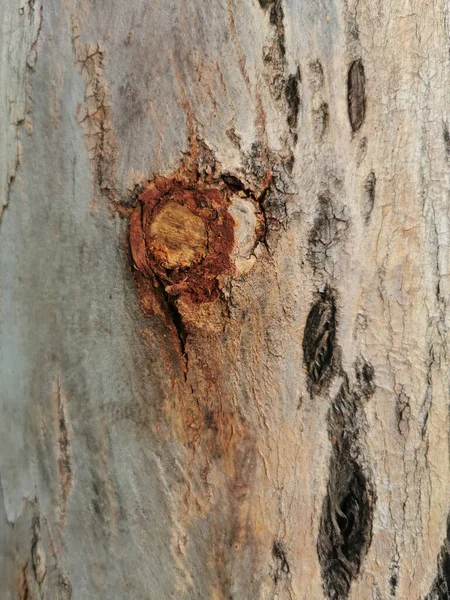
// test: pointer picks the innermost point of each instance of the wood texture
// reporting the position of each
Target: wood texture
(265, 417)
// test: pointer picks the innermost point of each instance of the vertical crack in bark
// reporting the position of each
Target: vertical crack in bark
(26, 29)
(292, 94)
(170, 304)
(319, 341)
(369, 195)
(64, 449)
(347, 512)
(446, 136)
(356, 95)
(22, 586)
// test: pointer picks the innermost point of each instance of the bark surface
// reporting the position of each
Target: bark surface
(224, 260)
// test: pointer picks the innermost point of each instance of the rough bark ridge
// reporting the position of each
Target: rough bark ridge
(224, 271)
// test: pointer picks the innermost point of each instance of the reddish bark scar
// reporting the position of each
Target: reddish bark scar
(182, 235)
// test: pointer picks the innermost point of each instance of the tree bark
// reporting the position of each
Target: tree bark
(224, 300)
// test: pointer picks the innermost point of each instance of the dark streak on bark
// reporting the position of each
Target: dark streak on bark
(274, 53)
(369, 195)
(282, 569)
(292, 94)
(446, 136)
(319, 341)
(177, 321)
(356, 95)
(393, 579)
(265, 3)
(440, 590)
(37, 553)
(132, 200)
(347, 513)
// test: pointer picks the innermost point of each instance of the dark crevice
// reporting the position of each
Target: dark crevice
(292, 95)
(440, 590)
(356, 95)
(282, 569)
(393, 579)
(276, 19)
(446, 136)
(233, 182)
(274, 52)
(177, 321)
(265, 3)
(365, 378)
(319, 341)
(132, 200)
(347, 512)
(369, 195)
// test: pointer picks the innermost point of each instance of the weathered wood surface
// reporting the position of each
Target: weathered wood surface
(283, 433)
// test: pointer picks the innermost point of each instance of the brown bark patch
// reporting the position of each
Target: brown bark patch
(182, 235)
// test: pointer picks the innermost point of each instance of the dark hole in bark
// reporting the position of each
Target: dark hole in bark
(233, 182)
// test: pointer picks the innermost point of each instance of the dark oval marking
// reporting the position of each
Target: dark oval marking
(345, 531)
(356, 94)
(292, 95)
(319, 340)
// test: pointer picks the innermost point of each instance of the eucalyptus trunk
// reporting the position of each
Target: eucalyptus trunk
(224, 299)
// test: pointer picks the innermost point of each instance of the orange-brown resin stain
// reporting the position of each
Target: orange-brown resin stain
(181, 237)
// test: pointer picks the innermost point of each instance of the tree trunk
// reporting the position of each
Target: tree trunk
(224, 300)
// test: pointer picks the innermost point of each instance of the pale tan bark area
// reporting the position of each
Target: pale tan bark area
(272, 423)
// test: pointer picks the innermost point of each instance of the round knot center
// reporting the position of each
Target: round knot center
(177, 236)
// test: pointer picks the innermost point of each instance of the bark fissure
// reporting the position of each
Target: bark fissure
(347, 513)
(356, 84)
(319, 341)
